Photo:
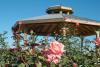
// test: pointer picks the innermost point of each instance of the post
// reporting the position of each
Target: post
(25, 40)
(18, 44)
(97, 42)
(17, 40)
(82, 43)
(64, 32)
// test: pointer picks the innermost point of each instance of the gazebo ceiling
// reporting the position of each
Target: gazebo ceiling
(51, 23)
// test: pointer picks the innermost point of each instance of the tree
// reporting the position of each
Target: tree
(3, 48)
(3, 43)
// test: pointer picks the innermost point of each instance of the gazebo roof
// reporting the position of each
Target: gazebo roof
(43, 25)
(44, 17)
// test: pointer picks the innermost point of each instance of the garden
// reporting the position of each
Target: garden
(54, 40)
(57, 51)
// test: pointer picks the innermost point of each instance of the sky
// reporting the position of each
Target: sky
(13, 10)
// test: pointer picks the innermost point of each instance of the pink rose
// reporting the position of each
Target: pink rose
(54, 52)
(97, 41)
(75, 65)
(56, 47)
(56, 60)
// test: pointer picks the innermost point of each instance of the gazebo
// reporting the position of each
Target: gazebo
(59, 20)
(57, 17)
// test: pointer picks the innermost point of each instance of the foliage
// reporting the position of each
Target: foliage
(3, 48)
(3, 43)
(75, 51)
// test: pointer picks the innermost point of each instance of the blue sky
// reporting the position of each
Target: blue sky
(13, 10)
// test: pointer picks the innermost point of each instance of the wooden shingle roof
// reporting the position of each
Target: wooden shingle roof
(50, 23)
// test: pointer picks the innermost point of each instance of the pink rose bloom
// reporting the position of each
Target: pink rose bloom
(54, 52)
(56, 47)
(97, 41)
(75, 65)
(55, 60)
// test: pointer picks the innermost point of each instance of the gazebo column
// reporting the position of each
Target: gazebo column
(65, 31)
(17, 39)
(97, 42)
(17, 34)
(68, 13)
(82, 41)
(18, 42)
(81, 46)
(25, 39)
(32, 39)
